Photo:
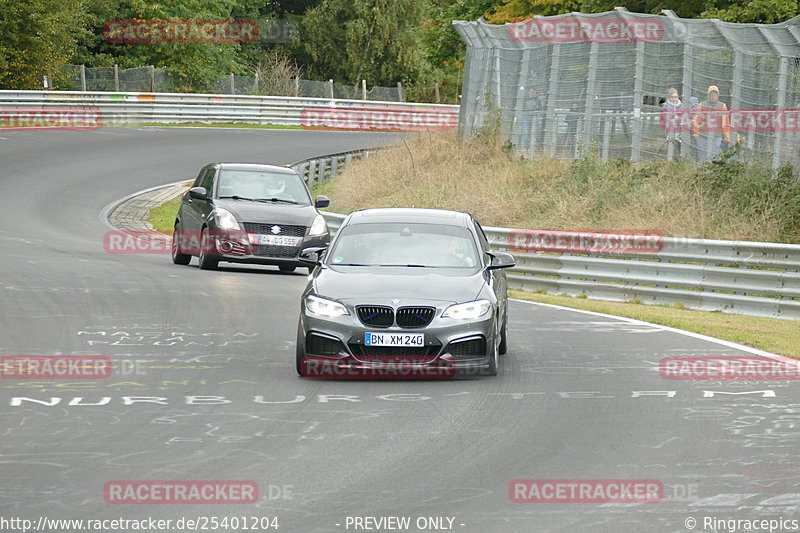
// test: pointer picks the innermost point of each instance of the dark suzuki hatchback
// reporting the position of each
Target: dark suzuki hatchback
(248, 213)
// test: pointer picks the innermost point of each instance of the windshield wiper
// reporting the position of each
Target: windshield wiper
(410, 265)
(276, 200)
(235, 197)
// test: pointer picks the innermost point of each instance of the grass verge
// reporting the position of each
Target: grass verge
(162, 217)
(770, 334)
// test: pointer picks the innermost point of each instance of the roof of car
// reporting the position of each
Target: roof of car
(409, 214)
(255, 167)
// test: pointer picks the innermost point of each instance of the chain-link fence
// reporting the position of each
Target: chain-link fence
(151, 79)
(573, 84)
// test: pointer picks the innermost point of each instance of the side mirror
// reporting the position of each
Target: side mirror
(312, 256)
(198, 193)
(322, 201)
(501, 260)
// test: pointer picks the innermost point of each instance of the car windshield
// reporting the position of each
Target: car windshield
(411, 245)
(262, 186)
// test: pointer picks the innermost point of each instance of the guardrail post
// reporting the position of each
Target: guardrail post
(334, 165)
(312, 172)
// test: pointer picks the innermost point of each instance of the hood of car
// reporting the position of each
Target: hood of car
(268, 212)
(409, 285)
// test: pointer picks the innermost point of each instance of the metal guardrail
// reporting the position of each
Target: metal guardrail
(319, 169)
(748, 278)
(168, 108)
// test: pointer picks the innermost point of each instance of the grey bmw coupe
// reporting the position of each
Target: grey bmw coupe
(404, 293)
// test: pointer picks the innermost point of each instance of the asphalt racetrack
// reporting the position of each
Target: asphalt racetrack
(204, 386)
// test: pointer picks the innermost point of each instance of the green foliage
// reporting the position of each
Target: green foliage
(756, 11)
(36, 38)
(351, 40)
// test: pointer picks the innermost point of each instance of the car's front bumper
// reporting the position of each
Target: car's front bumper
(336, 348)
(235, 247)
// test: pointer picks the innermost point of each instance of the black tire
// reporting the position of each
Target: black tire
(300, 350)
(503, 348)
(178, 257)
(207, 261)
(286, 268)
(494, 361)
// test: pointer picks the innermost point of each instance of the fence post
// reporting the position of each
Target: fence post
(637, 127)
(233, 84)
(330, 87)
(297, 85)
(400, 94)
(436, 91)
(152, 78)
(116, 78)
(256, 81)
(552, 119)
(591, 92)
(83, 78)
(363, 89)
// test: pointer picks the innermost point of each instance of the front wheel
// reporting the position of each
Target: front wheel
(208, 261)
(300, 350)
(178, 257)
(503, 348)
(494, 360)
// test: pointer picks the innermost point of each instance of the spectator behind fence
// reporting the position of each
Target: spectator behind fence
(530, 106)
(713, 136)
(673, 109)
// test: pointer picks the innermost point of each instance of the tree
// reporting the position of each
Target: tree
(36, 38)
(756, 11)
(351, 40)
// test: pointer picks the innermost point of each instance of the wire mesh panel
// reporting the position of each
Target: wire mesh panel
(637, 86)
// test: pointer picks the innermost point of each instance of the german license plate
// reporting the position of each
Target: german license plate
(394, 339)
(274, 240)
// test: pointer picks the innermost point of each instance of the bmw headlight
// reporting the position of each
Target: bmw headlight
(319, 227)
(224, 219)
(322, 307)
(468, 310)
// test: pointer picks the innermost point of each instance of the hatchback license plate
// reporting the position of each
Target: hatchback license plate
(394, 339)
(274, 240)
